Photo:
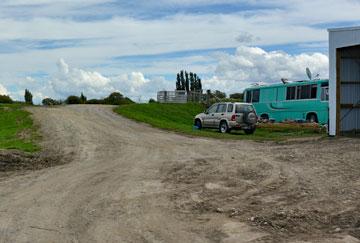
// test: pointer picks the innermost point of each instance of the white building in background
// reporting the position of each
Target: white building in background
(344, 83)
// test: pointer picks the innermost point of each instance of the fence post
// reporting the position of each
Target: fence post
(208, 93)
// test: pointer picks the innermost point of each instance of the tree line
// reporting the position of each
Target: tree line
(114, 98)
(5, 99)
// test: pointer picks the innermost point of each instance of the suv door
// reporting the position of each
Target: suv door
(209, 116)
(220, 113)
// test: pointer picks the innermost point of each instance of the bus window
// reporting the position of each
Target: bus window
(313, 91)
(325, 91)
(253, 96)
(248, 96)
(291, 93)
(256, 96)
(305, 92)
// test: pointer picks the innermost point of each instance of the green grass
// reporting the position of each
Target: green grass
(17, 129)
(179, 118)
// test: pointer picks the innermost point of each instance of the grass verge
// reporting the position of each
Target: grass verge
(17, 130)
(179, 118)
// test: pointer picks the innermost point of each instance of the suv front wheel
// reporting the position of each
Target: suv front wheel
(198, 123)
(223, 128)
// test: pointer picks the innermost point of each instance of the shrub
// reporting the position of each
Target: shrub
(116, 98)
(237, 96)
(95, 102)
(49, 101)
(152, 101)
(5, 99)
(72, 100)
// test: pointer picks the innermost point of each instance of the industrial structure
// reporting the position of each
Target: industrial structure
(181, 96)
(344, 84)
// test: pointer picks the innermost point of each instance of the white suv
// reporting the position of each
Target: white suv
(228, 116)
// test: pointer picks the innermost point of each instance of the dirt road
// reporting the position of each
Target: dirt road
(127, 182)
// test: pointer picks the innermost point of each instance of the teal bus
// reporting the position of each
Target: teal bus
(297, 101)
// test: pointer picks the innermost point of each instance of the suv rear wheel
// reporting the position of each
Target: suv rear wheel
(250, 130)
(223, 128)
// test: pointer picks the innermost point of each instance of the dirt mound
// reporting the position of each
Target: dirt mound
(11, 160)
(289, 193)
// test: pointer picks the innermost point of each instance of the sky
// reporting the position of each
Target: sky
(57, 48)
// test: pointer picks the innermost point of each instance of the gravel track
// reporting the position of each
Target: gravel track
(127, 182)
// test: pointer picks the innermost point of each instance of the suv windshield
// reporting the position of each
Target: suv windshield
(243, 108)
(212, 109)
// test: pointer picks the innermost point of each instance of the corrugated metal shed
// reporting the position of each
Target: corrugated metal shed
(344, 86)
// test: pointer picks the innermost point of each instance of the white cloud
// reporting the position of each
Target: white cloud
(251, 64)
(69, 80)
(73, 81)
(3, 90)
(137, 87)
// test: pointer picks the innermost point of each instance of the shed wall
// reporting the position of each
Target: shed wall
(340, 38)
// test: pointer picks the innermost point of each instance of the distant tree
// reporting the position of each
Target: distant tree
(73, 100)
(182, 80)
(195, 80)
(114, 98)
(237, 96)
(49, 102)
(28, 97)
(95, 102)
(218, 94)
(5, 99)
(192, 87)
(117, 98)
(152, 101)
(178, 82)
(187, 82)
(198, 84)
(83, 98)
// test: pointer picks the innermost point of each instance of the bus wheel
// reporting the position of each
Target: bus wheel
(264, 118)
(312, 118)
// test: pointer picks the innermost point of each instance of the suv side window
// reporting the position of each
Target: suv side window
(221, 108)
(230, 108)
(212, 109)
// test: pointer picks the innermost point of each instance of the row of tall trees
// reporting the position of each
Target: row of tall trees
(188, 81)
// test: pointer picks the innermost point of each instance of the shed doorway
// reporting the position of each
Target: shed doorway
(348, 90)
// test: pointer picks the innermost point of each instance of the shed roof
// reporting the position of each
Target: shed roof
(344, 29)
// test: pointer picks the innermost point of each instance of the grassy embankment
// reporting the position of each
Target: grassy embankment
(17, 129)
(179, 118)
